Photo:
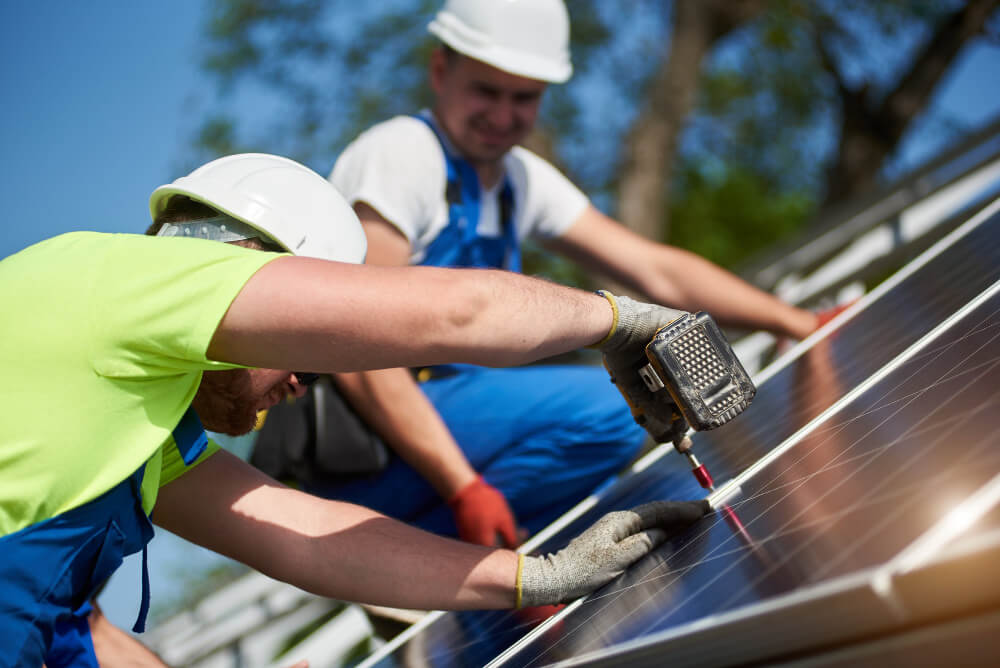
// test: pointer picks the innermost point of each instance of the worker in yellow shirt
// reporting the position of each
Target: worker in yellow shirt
(120, 350)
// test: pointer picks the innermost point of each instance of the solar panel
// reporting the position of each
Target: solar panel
(851, 494)
(890, 321)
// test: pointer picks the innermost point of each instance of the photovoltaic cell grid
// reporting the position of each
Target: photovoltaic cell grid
(786, 402)
(851, 495)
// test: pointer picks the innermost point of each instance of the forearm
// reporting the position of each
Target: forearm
(392, 403)
(677, 278)
(348, 552)
(330, 548)
(299, 313)
(686, 281)
(355, 554)
(413, 568)
(114, 647)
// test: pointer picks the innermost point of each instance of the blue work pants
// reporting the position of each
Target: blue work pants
(545, 436)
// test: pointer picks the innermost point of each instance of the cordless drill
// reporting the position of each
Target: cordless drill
(706, 386)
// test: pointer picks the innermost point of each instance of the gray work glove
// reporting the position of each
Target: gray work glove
(624, 350)
(602, 552)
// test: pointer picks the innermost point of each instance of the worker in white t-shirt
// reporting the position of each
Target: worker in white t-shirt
(449, 186)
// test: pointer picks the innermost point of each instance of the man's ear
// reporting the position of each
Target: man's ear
(437, 69)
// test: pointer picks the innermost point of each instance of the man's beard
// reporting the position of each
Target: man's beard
(226, 402)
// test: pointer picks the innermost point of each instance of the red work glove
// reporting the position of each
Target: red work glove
(822, 317)
(826, 315)
(481, 513)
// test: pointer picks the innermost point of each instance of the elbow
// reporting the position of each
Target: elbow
(467, 303)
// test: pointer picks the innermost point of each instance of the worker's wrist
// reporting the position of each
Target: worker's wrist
(634, 323)
(468, 483)
(615, 314)
(801, 323)
(518, 583)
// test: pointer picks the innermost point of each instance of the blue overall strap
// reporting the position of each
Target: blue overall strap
(191, 440)
(136, 480)
(460, 244)
(190, 437)
(513, 260)
(140, 620)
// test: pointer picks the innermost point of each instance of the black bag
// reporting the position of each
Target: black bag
(318, 437)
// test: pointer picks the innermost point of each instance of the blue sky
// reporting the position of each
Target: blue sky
(100, 99)
(96, 104)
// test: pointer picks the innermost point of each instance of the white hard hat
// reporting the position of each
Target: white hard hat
(286, 201)
(529, 38)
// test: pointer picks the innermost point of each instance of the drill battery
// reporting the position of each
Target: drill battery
(694, 362)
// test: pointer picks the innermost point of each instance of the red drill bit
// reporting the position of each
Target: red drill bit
(701, 473)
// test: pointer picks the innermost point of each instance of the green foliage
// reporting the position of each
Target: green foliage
(732, 215)
(769, 99)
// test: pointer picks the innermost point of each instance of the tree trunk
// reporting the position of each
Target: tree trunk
(870, 135)
(651, 144)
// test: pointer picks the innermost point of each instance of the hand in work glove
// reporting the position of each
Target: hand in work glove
(602, 552)
(624, 349)
(481, 514)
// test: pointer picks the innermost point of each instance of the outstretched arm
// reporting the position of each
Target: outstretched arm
(348, 552)
(330, 548)
(678, 278)
(302, 313)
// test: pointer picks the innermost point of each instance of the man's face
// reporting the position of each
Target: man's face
(228, 401)
(484, 111)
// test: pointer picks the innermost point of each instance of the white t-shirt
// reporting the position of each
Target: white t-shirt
(398, 168)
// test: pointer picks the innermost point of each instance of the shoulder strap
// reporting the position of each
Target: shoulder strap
(190, 436)
(462, 196)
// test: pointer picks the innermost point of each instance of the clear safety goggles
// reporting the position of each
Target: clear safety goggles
(220, 228)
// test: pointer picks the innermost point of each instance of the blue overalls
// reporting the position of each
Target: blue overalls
(51, 569)
(545, 436)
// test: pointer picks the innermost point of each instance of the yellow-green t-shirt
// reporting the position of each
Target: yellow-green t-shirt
(102, 346)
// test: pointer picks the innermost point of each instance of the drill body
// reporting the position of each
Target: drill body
(695, 380)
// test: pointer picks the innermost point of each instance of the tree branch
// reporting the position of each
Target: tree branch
(914, 90)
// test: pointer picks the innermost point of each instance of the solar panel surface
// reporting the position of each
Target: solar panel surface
(853, 493)
(788, 400)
